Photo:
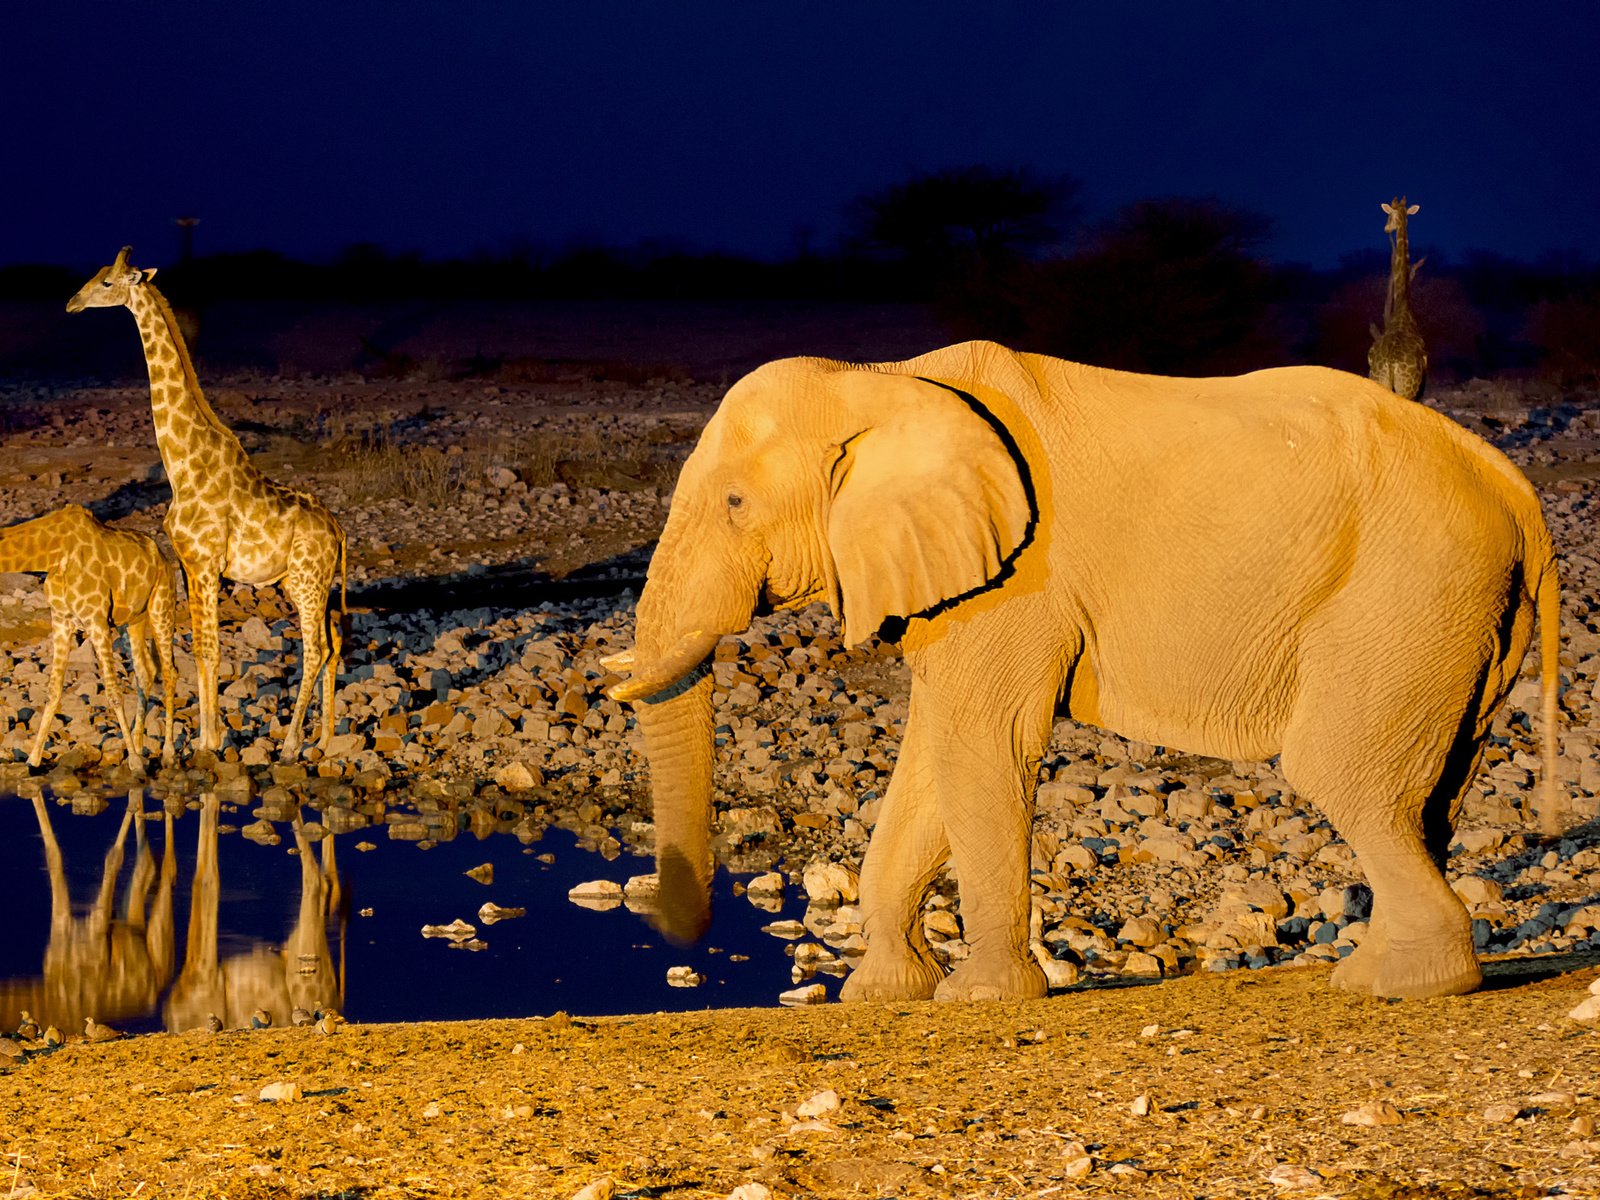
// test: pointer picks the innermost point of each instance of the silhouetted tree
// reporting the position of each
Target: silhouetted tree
(1170, 286)
(946, 227)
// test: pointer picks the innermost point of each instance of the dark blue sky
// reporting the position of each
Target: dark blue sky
(456, 126)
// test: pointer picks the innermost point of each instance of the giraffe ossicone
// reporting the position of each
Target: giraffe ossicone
(97, 578)
(226, 519)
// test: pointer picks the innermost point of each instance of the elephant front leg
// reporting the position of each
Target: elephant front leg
(908, 848)
(986, 745)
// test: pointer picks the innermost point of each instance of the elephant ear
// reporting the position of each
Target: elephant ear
(928, 502)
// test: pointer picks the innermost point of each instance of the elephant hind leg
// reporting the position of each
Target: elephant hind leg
(1391, 771)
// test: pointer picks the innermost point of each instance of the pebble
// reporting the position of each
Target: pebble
(491, 913)
(751, 1191)
(1292, 1177)
(1076, 1162)
(603, 1188)
(813, 993)
(1501, 1114)
(457, 930)
(684, 977)
(818, 1105)
(1372, 1113)
(282, 1093)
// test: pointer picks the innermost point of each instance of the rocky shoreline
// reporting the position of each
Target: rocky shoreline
(457, 718)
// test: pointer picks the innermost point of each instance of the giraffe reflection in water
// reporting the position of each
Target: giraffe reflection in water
(300, 975)
(118, 962)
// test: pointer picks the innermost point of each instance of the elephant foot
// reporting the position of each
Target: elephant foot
(1015, 977)
(1414, 975)
(1420, 974)
(882, 976)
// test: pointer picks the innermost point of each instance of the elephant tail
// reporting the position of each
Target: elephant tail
(1548, 600)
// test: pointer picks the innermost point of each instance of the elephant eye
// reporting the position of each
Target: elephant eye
(735, 500)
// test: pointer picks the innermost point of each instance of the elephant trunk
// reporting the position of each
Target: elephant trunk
(678, 742)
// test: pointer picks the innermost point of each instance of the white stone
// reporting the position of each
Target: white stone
(812, 993)
(831, 883)
(818, 1105)
(1589, 1010)
(684, 977)
(282, 1093)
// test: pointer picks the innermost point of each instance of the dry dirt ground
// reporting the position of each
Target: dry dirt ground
(1244, 1084)
(1237, 1084)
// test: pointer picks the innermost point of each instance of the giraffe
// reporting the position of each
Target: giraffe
(97, 577)
(226, 518)
(1397, 358)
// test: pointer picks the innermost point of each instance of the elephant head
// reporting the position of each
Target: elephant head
(883, 494)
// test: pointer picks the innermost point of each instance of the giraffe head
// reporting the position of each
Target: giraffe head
(1396, 209)
(112, 286)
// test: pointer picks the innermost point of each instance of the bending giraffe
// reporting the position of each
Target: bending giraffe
(97, 578)
(226, 518)
(1397, 358)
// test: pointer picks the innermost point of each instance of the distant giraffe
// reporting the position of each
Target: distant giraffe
(226, 518)
(1397, 358)
(97, 578)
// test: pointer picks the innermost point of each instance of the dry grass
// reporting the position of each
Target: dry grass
(1243, 1072)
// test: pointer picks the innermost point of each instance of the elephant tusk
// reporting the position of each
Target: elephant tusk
(622, 660)
(686, 654)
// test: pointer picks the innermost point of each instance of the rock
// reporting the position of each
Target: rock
(1475, 890)
(1588, 1010)
(599, 895)
(1293, 1177)
(517, 777)
(1142, 965)
(751, 1191)
(830, 883)
(818, 1105)
(457, 930)
(941, 924)
(1075, 1161)
(1501, 1114)
(483, 873)
(1372, 1113)
(1058, 973)
(491, 912)
(785, 929)
(684, 977)
(1256, 894)
(282, 1093)
(1141, 1105)
(812, 993)
(769, 884)
(1140, 931)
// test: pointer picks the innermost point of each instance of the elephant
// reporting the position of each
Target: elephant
(1291, 562)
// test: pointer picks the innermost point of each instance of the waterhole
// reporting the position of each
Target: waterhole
(150, 917)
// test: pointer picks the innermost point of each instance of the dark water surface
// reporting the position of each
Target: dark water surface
(155, 923)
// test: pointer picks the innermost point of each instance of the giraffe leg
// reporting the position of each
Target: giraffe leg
(310, 599)
(203, 587)
(330, 681)
(143, 667)
(162, 622)
(61, 643)
(105, 649)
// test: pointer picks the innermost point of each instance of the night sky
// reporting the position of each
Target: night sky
(456, 127)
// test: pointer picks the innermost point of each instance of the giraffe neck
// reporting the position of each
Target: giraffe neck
(1398, 303)
(33, 545)
(185, 424)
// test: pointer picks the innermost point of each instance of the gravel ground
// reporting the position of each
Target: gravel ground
(497, 535)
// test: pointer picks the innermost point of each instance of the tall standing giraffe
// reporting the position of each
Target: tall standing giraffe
(226, 518)
(96, 578)
(1397, 358)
